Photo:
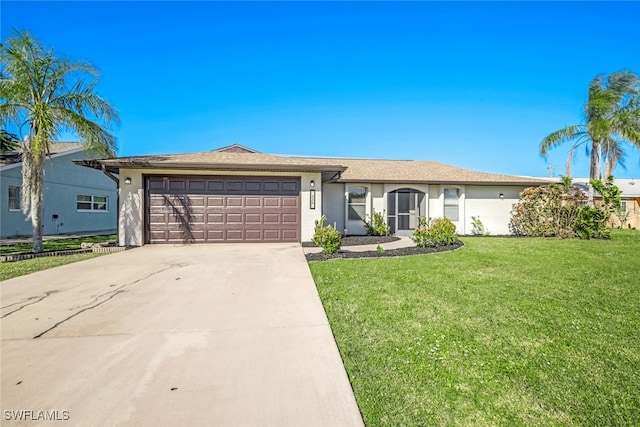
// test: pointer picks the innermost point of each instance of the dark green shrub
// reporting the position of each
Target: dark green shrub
(327, 236)
(377, 226)
(437, 232)
(592, 224)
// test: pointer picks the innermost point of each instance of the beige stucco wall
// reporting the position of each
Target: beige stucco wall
(131, 226)
(485, 203)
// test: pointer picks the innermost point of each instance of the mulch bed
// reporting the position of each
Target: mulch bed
(359, 240)
(413, 250)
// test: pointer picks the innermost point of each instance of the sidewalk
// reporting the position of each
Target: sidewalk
(29, 239)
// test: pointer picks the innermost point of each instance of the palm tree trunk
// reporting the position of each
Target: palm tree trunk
(32, 177)
(594, 170)
(36, 217)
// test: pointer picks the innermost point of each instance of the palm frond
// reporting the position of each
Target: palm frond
(560, 136)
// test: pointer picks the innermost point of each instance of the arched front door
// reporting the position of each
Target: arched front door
(404, 207)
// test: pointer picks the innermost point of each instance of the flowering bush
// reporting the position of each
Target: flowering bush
(327, 236)
(558, 210)
(439, 231)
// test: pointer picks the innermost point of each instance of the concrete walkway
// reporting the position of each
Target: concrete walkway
(197, 335)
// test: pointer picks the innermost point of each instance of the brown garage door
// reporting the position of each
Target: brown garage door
(208, 209)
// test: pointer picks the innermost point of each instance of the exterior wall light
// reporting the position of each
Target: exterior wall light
(501, 196)
(312, 184)
(127, 180)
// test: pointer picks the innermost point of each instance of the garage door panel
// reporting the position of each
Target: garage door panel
(215, 185)
(177, 185)
(215, 218)
(157, 184)
(253, 202)
(223, 209)
(272, 218)
(290, 219)
(233, 186)
(215, 235)
(233, 201)
(271, 202)
(290, 235)
(213, 201)
(253, 218)
(196, 185)
(291, 187)
(255, 235)
(271, 186)
(235, 234)
(290, 202)
(253, 186)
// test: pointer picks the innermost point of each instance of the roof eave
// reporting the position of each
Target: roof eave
(440, 181)
(115, 166)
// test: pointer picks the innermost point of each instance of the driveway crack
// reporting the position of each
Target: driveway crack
(113, 293)
(37, 300)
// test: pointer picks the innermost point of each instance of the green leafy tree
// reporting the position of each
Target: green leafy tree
(42, 95)
(612, 117)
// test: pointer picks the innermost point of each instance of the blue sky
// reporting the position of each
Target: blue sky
(473, 84)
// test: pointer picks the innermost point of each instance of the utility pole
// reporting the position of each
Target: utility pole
(551, 169)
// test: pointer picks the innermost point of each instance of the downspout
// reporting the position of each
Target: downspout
(117, 181)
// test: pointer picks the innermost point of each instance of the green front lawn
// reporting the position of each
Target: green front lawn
(9, 270)
(505, 331)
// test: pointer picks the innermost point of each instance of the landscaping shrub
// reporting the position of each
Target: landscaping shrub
(592, 223)
(558, 210)
(478, 227)
(327, 236)
(439, 231)
(376, 226)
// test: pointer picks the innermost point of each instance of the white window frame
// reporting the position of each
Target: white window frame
(623, 206)
(17, 198)
(93, 203)
(444, 203)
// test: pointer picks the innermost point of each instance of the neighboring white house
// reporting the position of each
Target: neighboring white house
(75, 198)
(236, 194)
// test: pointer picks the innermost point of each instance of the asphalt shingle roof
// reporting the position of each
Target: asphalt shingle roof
(353, 170)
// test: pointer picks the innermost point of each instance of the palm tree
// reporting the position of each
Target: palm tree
(8, 141)
(612, 116)
(43, 95)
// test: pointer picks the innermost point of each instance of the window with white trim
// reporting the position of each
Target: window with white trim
(623, 206)
(89, 203)
(14, 198)
(452, 204)
(357, 203)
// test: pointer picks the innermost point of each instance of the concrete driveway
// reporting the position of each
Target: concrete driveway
(196, 335)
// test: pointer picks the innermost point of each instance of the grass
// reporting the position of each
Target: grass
(57, 244)
(504, 331)
(9, 270)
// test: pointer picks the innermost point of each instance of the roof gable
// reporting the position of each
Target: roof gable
(236, 148)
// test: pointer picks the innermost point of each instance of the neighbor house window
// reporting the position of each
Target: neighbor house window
(451, 204)
(357, 203)
(623, 206)
(87, 202)
(14, 198)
